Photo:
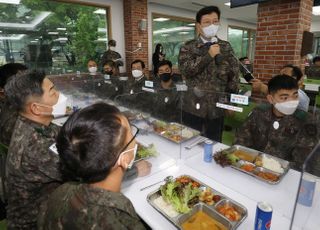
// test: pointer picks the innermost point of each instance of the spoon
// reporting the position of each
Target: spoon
(168, 178)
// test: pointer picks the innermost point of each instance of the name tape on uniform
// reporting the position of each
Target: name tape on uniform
(148, 84)
(229, 107)
(148, 89)
(239, 99)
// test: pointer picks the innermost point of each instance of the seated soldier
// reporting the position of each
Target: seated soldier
(92, 67)
(32, 170)
(279, 128)
(138, 69)
(166, 76)
(8, 115)
(292, 71)
(110, 68)
(313, 71)
(95, 151)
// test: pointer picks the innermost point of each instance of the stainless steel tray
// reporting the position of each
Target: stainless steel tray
(255, 173)
(173, 129)
(209, 209)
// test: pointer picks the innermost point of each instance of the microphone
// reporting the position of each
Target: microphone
(218, 58)
(248, 76)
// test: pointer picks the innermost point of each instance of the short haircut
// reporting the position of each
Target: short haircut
(22, 86)
(280, 82)
(207, 10)
(316, 59)
(165, 62)
(112, 42)
(296, 71)
(89, 143)
(9, 70)
(110, 63)
(138, 61)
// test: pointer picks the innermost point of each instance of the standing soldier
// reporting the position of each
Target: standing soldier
(112, 55)
(211, 71)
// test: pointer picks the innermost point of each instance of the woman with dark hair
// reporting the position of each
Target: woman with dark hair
(95, 151)
(157, 56)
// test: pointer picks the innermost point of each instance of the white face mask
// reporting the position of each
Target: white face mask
(287, 107)
(112, 48)
(135, 149)
(137, 73)
(92, 69)
(210, 31)
(60, 108)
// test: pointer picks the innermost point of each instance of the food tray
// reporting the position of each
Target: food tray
(258, 170)
(211, 210)
(173, 131)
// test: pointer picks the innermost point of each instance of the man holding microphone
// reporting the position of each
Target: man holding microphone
(212, 73)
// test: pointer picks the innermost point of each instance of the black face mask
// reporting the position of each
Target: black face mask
(108, 72)
(165, 77)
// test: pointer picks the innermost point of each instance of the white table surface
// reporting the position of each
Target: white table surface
(174, 159)
(156, 221)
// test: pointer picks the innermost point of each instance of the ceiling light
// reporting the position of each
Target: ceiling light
(63, 29)
(61, 39)
(192, 24)
(175, 29)
(100, 11)
(10, 1)
(53, 33)
(183, 32)
(161, 19)
(13, 37)
(164, 35)
(228, 4)
(316, 10)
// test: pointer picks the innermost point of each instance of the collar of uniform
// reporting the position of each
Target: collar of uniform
(139, 79)
(39, 128)
(203, 40)
(107, 198)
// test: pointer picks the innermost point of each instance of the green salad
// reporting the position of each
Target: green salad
(181, 193)
(146, 151)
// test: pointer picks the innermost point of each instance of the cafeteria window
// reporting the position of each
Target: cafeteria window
(57, 37)
(242, 41)
(172, 33)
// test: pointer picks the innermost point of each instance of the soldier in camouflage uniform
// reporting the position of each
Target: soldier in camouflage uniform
(291, 137)
(31, 169)
(96, 201)
(314, 70)
(111, 55)
(8, 115)
(211, 72)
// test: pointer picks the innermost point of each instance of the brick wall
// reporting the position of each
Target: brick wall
(134, 11)
(280, 27)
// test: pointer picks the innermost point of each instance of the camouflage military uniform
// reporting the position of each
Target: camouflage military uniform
(295, 138)
(80, 206)
(32, 171)
(111, 55)
(8, 119)
(210, 81)
(313, 72)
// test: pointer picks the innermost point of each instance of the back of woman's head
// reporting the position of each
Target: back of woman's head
(89, 143)
(158, 48)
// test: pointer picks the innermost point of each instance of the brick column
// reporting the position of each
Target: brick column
(134, 11)
(279, 34)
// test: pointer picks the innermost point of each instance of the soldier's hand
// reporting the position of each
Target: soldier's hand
(143, 167)
(214, 50)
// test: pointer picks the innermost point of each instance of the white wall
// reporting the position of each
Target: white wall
(315, 26)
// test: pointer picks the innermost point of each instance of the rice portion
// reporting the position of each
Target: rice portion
(272, 164)
(164, 206)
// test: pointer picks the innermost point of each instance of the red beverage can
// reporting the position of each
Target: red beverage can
(263, 216)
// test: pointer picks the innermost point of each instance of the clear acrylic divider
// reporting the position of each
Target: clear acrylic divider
(307, 206)
(201, 111)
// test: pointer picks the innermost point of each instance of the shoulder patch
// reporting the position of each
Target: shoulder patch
(264, 107)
